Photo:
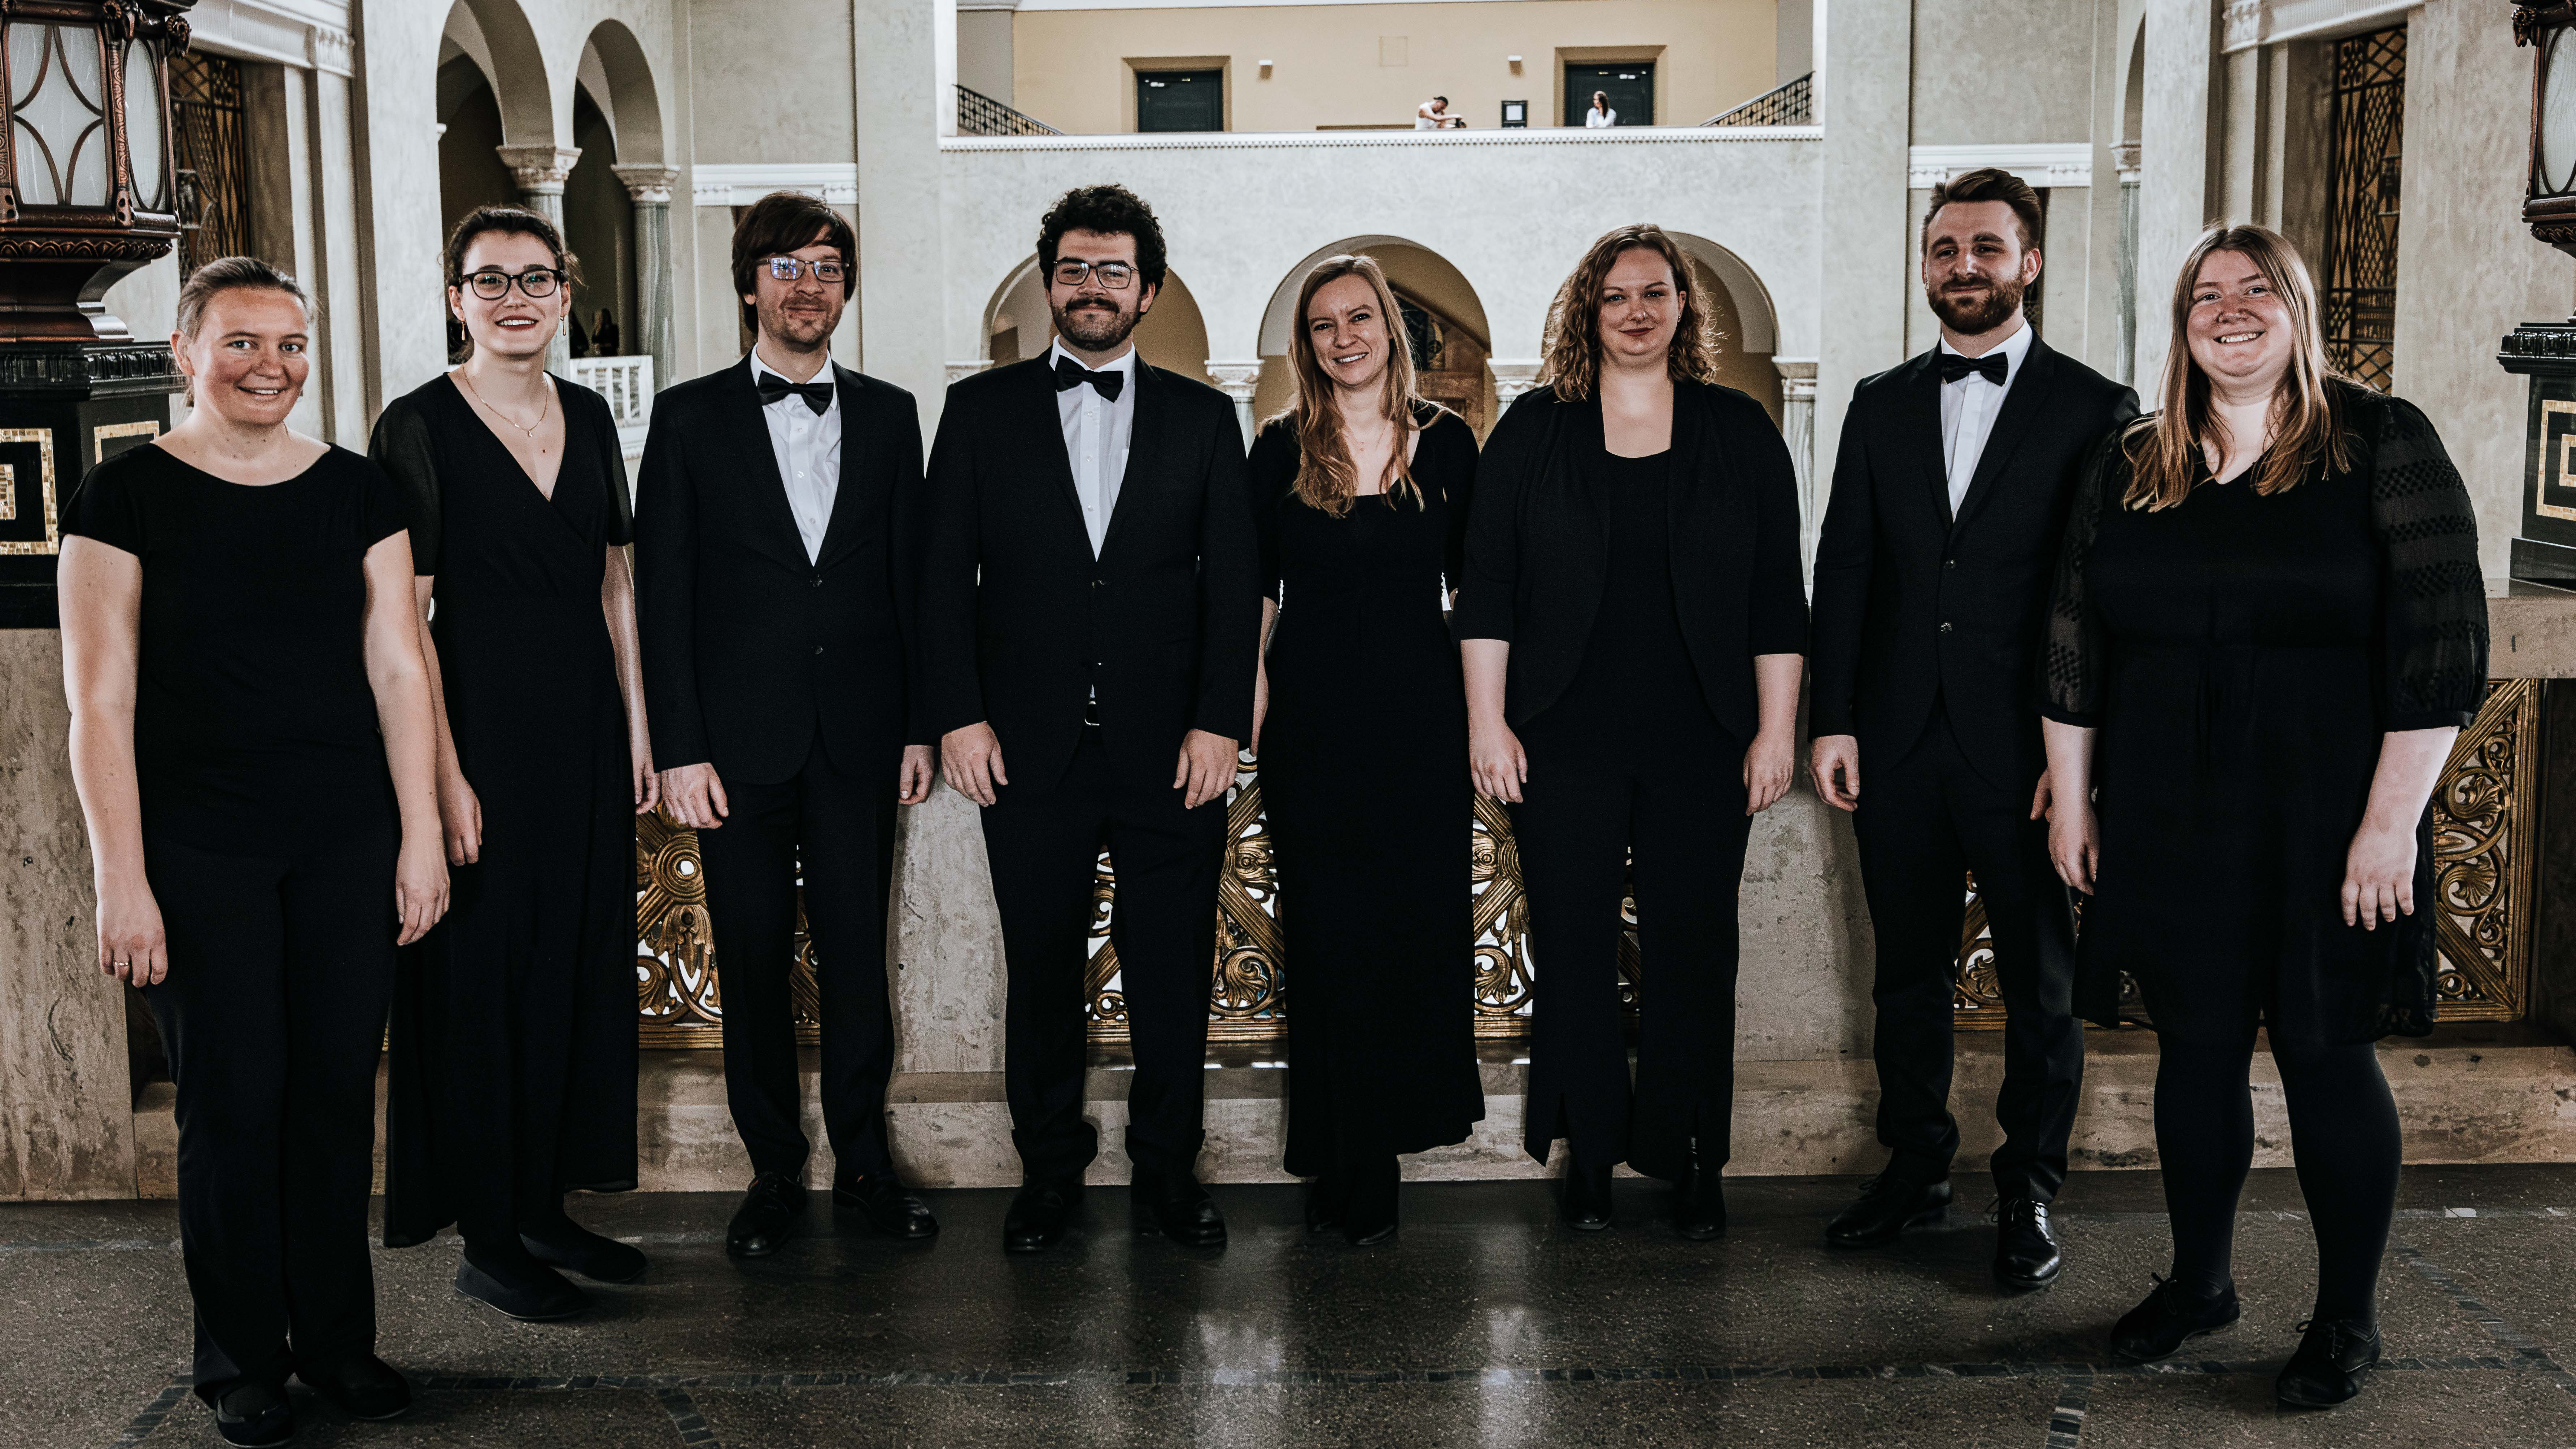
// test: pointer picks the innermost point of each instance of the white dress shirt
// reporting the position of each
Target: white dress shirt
(1598, 117)
(1096, 432)
(807, 445)
(1968, 409)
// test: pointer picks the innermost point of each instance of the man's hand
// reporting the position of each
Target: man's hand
(694, 796)
(1206, 767)
(912, 780)
(1834, 760)
(971, 759)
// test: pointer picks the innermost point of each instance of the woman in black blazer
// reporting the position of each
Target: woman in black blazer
(1632, 628)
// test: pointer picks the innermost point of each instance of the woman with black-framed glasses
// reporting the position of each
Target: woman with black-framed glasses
(513, 1063)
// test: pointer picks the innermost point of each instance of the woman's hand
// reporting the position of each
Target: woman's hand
(1260, 702)
(2074, 842)
(460, 818)
(646, 783)
(420, 886)
(912, 777)
(1495, 758)
(131, 945)
(1768, 764)
(2379, 876)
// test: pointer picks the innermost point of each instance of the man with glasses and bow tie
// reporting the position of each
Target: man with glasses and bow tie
(1090, 619)
(777, 528)
(1932, 580)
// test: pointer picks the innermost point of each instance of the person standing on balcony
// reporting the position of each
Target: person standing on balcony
(1091, 613)
(513, 1049)
(2267, 632)
(776, 536)
(1950, 493)
(1600, 115)
(251, 736)
(1359, 498)
(1632, 629)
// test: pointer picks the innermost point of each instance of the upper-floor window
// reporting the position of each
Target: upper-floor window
(1180, 100)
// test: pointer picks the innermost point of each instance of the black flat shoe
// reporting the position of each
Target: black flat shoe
(1326, 1197)
(880, 1198)
(254, 1415)
(2333, 1360)
(363, 1388)
(1701, 1213)
(567, 1244)
(1178, 1208)
(1369, 1217)
(2170, 1318)
(530, 1292)
(1886, 1208)
(1586, 1208)
(2026, 1253)
(1039, 1215)
(770, 1214)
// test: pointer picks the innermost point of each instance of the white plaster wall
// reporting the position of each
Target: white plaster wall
(1861, 281)
(2177, 163)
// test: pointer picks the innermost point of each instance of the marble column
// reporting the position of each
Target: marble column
(650, 186)
(2127, 152)
(1798, 428)
(540, 172)
(1512, 377)
(1237, 380)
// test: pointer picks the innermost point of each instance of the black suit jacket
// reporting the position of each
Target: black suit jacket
(1912, 605)
(1020, 622)
(1538, 554)
(750, 649)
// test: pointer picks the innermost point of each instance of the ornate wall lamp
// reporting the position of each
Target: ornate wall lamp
(2545, 550)
(87, 195)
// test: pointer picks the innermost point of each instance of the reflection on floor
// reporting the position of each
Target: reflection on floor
(1482, 1325)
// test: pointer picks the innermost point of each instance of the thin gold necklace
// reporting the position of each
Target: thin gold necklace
(530, 431)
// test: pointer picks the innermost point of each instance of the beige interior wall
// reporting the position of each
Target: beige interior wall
(1074, 69)
(984, 53)
(2002, 71)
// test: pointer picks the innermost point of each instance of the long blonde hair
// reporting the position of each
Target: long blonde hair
(1327, 479)
(2165, 448)
(1572, 357)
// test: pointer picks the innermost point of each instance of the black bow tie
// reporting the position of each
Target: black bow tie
(1992, 367)
(817, 395)
(1070, 374)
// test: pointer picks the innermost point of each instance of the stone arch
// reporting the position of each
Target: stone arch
(628, 95)
(1018, 325)
(1748, 323)
(1421, 277)
(497, 35)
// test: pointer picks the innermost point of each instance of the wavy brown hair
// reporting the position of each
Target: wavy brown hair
(2166, 448)
(1327, 479)
(1572, 361)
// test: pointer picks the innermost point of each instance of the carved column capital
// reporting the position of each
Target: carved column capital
(1797, 379)
(1236, 380)
(649, 183)
(330, 49)
(539, 170)
(2125, 157)
(1512, 377)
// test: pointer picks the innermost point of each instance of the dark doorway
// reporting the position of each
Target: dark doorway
(1180, 100)
(1630, 86)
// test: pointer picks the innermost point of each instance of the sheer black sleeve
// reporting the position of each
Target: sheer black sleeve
(612, 462)
(2433, 621)
(2075, 649)
(402, 448)
(1268, 475)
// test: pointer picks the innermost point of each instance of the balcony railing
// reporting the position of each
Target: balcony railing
(627, 383)
(1791, 103)
(980, 115)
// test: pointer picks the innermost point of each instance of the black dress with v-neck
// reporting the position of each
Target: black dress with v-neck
(513, 1050)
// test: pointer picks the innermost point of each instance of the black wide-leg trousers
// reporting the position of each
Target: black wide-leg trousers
(1926, 820)
(1044, 843)
(839, 828)
(281, 971)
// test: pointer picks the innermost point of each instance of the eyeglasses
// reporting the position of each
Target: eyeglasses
(1113, 275)
(788, 269)
(492, 286)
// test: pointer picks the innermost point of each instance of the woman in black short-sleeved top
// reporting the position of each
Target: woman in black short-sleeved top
(251, 741)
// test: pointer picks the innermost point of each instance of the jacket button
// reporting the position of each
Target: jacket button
(818, 583)
(819, 648)
(1947, 563)
(1945, 628)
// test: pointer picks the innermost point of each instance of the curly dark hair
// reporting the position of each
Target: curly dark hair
(508, 221)
(1571, 361)
(1108, 210)
(783, 222)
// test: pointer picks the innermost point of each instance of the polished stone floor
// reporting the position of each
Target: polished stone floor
(1482, 1325)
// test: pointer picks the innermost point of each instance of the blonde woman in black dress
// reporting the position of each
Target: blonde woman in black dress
(2268, 629)
(1359, 497)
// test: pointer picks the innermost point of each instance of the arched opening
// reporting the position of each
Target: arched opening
(1442, 314)
(1018, 324)
(599, 229)
(1747, 327)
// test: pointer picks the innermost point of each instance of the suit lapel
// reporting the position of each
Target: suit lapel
(775, 520)
(1921, 426)
(1048, 443)
(1144, 445)
(855, 424)
(2022, 405)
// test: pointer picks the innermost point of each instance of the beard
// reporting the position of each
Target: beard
(1983, 309)
(1096, 327)
(802, 328)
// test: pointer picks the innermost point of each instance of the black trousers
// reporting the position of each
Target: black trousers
(840, 828)
(280, 974)
(1926, 820)
(1043, 843)
(1585, 809)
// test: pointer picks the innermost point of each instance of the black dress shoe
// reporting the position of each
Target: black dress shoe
(526, 1290)
(880, 1198)
(2170, 1318)
(1369, 1217)
(770, 1214)
(2026, 1254)
(254, 1415)
(1701, 1213)
(1886, 1208)
(2331, 1363)
(1326, 1196)
(365, 1387)
(1039, 1214)
(1587, 1197)
(1176, 1206)
(564, 1243)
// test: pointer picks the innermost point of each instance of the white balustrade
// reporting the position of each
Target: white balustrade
(627, 383)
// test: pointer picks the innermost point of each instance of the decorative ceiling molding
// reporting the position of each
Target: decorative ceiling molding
(2043, 164)
(836, 182)
(2250, 23)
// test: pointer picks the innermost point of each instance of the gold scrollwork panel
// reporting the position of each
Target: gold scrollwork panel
(679, 1002)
